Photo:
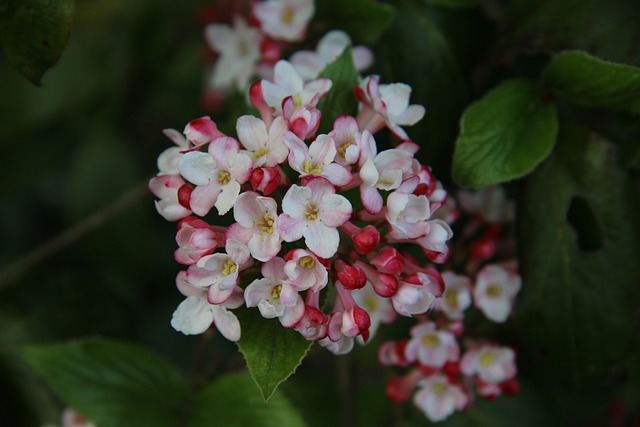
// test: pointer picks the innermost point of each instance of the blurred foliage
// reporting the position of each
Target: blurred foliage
(92, 133)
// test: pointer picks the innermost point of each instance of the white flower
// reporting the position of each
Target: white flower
(431, 347)
(495, 291)
(491, 363)
(289, 83)
(284, 19)
(456, 297)
(438, 398)
(266, 148)
(316, 159)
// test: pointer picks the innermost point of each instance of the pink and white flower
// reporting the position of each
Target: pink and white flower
(495, 290)
(380, 309)
(239, 49)
(431, 347)
(456, 297)
(73, 418)
(492, 364)
(438, 397)
(346, 135)
(267, 294)
(407, 215)
(315, 212)
(166, 188)
(289, 84)
(417, 293)
(316, 159)
(265, 147)
(195, 239)
(305, 271)
(284, 19)
(309, 63)
(217, 175)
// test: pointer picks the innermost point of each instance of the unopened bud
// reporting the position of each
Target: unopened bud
(389, 260)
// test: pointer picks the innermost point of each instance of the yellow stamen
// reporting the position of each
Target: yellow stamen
(439, 387)
(451, 298)
(430, 340)
(370, 303)
(224, 177)
(343, 148)
(311, 213)
(306, 262)
(229, 267)
(287, 16)
(494, 290)
(309, 168)
(261, 152)
(487, 359)
(275, 292)
(266, 224)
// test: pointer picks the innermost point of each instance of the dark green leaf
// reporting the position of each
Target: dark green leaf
(579, 295)
(504, 136)
(582, 79)
(340, 99)
(34, 34)
(272, 352)
(364, 20)
(113, 384)
(233, 400)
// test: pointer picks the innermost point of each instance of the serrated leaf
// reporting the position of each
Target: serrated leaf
(582, 79)
(112, 383)
(340, 99)
(578, 234)
(233, 400)
(504, 135)
(34, 33)
(272, 352)
(364, 20)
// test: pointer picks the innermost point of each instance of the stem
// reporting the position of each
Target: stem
(14, 271)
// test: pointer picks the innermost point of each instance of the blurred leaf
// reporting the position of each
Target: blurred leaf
(112, 383)
(505, 135)
(582, 79)
(454, 3)
(597, 26)
(364, 20)
(233, 400)
(340, 99)
(272, 352)
(577, 304)
(34, 34)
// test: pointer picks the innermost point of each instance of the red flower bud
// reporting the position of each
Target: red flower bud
(265, 180)
(352, 277)
(388, 260)
(367, 240)
(184, 195)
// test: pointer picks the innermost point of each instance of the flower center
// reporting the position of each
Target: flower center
(343, 148)
(311, 212)
(430, 340)
(451, 298)
(266, 224)
(309, 168)
(306, 262)
(275, 292)
(224, 177)
(439, 388)
(287, 15)
(229, 267)
(261, 152)
(370, 303)
(494, 290)
(487, 359)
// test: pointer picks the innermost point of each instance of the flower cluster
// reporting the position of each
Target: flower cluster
(442, 364)
(253, 43)
(311, 211)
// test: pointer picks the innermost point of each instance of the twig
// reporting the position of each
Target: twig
(14, 271)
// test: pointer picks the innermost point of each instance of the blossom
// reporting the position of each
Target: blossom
(256, 225)
(239, 49)
(305, 270)
(267, 294)
(457, 295)
(492, 364)
(417, 293)
(166, 188)
(407, 214)
(495, 290)
(432, 347)
(314, 211)
(289, 83)
(284, 19)
(346, 136)
(217, 175)
(265, 147)
(386, 104)
(316, 159)
(72, 418)
(309, 63)
(195, 239)
(380, 309)
(438, 397)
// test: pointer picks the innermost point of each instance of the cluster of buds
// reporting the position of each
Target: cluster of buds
(255, 40)
(311, 211)
(445, 368)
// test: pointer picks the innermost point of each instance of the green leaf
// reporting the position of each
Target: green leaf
(578, 235)
(233, 400)
(340, 99)
(583, 79)
(364, 20)
(113, 384)
(504, 136)
(272, 352)
(34, 34)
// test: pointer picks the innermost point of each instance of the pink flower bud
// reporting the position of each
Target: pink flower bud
(351, 277)
(201, 131)
(389, 260)
(510, 387)
(184, 195)
(265, 180)
(397, 391)
(392, 353)
(256, 97)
